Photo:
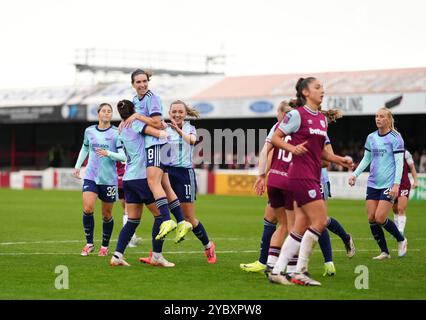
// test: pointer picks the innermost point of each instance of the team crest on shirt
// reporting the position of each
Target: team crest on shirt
(322, 123)
(312, 193)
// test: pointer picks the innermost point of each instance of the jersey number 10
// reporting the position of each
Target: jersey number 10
(282, 153)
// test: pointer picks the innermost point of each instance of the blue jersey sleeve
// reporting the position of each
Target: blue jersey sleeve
(271, 133)
(85, 139)
(398, 144)
(367, 145)
(155, 108)
(193, 131)
(138, 126)
(291, 122)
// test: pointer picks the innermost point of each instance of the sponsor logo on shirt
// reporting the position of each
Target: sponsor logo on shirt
(318, 132)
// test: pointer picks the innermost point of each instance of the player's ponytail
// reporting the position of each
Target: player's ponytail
(332, 114)
(125, 108)
(190, 111)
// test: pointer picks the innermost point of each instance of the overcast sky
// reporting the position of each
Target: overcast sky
(39, 38)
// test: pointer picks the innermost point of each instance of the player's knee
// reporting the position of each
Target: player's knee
(401, 210)
(380, 220)
(321, 225)
(88, 209)
(107, 214)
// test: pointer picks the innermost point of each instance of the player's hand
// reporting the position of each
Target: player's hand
(101, 152)
(393, 193)
(300, 149)
(346, 162)
(174, 125)
(128, 122)
(163, 134)
(165, 125)
(259, 185)
(415, 184)
(76, 174)
(352, 181)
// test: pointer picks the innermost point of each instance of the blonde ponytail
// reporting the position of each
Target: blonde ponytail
(332, 114)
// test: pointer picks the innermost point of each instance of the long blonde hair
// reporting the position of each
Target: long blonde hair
(332, 114)
(190, 111)
(389, 115)
(284, 106)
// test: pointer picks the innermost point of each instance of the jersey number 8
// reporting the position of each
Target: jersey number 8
(150, 154)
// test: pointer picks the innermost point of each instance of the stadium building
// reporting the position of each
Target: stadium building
(43, 127)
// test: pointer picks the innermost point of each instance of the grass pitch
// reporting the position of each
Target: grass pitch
(43, 229)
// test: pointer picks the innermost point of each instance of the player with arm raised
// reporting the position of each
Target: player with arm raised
(136, 189)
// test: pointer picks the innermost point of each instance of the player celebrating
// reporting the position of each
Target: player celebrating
(100, 177)
(136, 188)
(150, 110)
(182, 138)
(307, 128)
(135, 241)
(384, 149)
(400, 205)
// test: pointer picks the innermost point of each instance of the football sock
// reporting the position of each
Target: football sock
(390, 227)
(176, 210)
(379, 236)
(126, 234)
(396, 220)
(162, 205)
(89, 226)
(273, 255)
(310, 238)
(335, 227)
(157, 245)
(402, 220)
(292, 263)
(201, 234)
(107, 227)
(268, 230)
(289, 249)
(325, 245)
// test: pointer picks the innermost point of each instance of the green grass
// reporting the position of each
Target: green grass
(53, 218)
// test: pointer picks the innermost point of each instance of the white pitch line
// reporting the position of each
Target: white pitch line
(149, 239)
(112, 240)
(173, 252)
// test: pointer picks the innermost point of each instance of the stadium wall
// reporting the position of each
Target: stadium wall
(220, 182)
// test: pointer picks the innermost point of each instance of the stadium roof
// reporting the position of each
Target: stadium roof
(337, 83)
(216, 96)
